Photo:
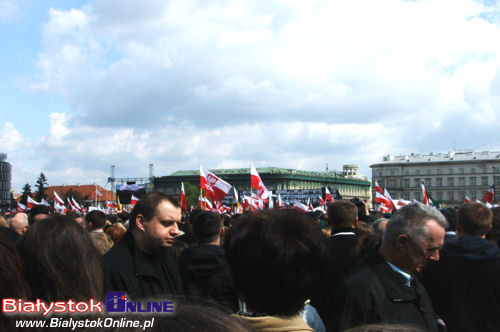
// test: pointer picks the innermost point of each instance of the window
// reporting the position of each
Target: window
(451, 182)
(497, 180)
(439, 196)
(428, 172)
(472, 181)
(416, 195)
(439, 182)
(427, 182)
(450, 196)
(416, 182)
(484, 180)
(417, 172)
(392, 172)
(406, 183)
(392, 183)
(461, 181)
(484, 169)
(473, 170)
(439, 171)
(461, 196)
(407, 172)
(473, 195)
(450, 171)
(461, 170)
(406, 196)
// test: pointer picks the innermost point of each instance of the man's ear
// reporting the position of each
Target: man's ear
(402, 242)
(139, 222)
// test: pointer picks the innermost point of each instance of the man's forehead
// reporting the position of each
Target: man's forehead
(166, 210)
(435, 230)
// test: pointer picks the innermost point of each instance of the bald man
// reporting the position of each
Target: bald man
(19, 223)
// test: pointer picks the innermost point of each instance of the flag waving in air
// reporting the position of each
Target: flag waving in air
(215, 188)
(328, 196)
(378, 188)
(184, 206)
(425, 197)
(490, 194)
(31, 202)
(256, 183)
(58, 199)
(133, 200)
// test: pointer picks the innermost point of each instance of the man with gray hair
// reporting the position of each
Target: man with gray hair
(385, 290)
(19, 223)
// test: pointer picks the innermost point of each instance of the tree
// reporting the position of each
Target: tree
(26, 193)
(41, 184)
(192, 194)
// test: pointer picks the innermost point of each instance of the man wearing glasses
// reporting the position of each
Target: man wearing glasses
(385, 290)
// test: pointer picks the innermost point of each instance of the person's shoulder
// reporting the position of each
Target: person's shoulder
(118, 254)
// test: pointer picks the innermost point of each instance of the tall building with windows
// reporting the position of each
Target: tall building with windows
(5, 179)
(448, 177)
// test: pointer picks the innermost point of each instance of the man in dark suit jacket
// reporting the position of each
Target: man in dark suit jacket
(464, 285)
(342, 217)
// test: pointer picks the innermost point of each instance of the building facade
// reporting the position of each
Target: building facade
(291, 184)
(5, 181)
(448, 177)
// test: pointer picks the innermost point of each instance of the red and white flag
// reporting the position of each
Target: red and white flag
(184, 206)
(309, 205)
(58, 199)
(490, 195)
(328, 196)
(467, 199)
(20, 207)
(235, 195)
(215, 188)
(31, 202)
(70, 205)
(133, 200)
(75, 204)
(322, 201)
(257, 183)
(401, 202)
(378, 188)
(381, 199)
(424, 194)
(384, 209)
(279, 202)
(112, 204)
(59, 208)
(44, 202)
(300, 207)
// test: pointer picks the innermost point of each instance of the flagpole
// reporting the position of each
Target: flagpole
(95, 195)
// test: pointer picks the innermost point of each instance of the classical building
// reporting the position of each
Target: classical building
(448, 177)
(291, 184)
(86, 193)
(5, 181)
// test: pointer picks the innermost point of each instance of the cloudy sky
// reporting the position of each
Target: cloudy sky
(89, 84)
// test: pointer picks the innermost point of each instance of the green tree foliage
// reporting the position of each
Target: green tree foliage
(192, 194)
(41, 185)
(26, 193)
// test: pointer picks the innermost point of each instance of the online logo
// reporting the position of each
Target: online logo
(119, 302)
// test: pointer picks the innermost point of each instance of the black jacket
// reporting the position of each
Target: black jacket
(376, 293)
(206, 274)
(128, 269)
(464, 285)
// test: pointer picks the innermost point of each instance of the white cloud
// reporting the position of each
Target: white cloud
(292, 84)
(9, 9)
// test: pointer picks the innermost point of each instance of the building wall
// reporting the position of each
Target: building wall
(5, 180)
(449, 181)
(279, 182)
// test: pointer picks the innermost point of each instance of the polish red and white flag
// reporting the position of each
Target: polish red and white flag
(425, 196)
(300, 207)
(381, 199)
(58, 199)
(59, 208)
(31, 202)
(44, 202)
(20, 207)
(256, 183)
(490, 195)
(322, 201)
(215, 188)
(467, 199)
(133, 200)
(378, 188)
(184, 206)
(328, 196)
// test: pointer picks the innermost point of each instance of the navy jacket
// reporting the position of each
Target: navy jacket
(464, 285)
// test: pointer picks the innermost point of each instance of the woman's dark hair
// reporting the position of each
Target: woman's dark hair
(60, 260)
(13, 284)
(277, 258)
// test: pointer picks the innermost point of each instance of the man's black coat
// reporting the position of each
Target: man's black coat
(127, 268)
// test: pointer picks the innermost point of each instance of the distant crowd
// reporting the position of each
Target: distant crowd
(350, 269)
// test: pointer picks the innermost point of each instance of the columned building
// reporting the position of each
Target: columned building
(291, 184)
(448, 177)
(5, 181)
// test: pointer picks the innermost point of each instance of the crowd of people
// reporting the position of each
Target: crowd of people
(351, 269)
